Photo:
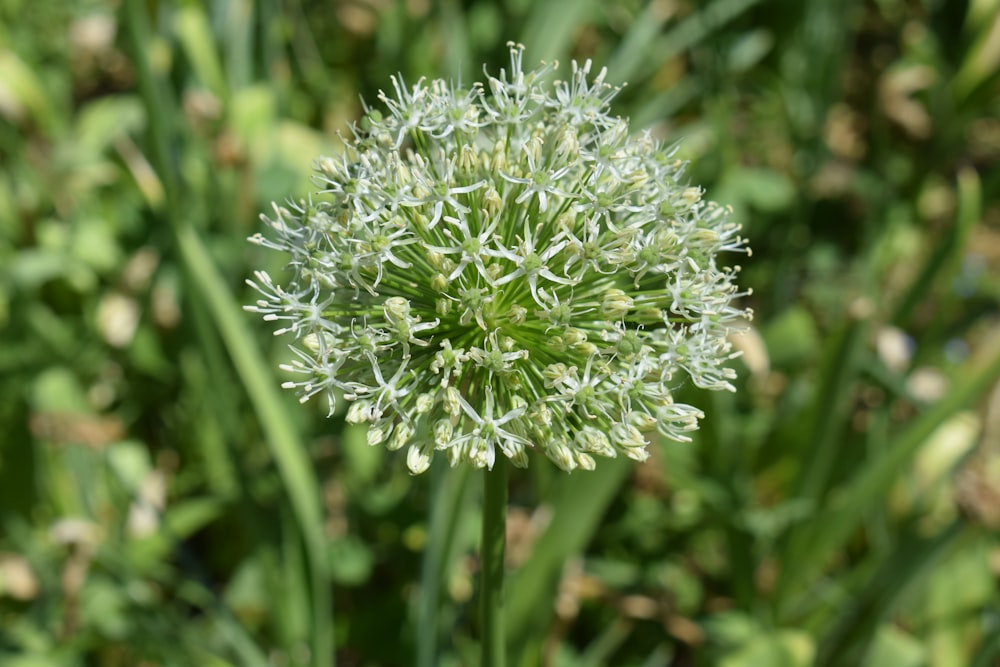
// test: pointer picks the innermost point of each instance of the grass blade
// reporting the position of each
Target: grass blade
(448, 488)
(943, 262)
(810, 547)
(551, 27)
(869, 608)
(581, 503)
(288, 451)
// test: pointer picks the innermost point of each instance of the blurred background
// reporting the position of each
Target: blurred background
(164, 503)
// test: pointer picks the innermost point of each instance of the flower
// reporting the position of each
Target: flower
(489, 271)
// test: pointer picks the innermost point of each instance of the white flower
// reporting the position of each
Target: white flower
(504, 268)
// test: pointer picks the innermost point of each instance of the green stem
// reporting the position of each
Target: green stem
(491, 583)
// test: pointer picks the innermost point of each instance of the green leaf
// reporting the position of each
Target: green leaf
(810, 548)
(577, 508)
(286, 447)
(778, 648)
(107, 119)
(551, 27)
(351, 561)
(58, 390)
(130, 462)
(943, 262)
(906, 569)
(196, 38)
(22, 95)
(792, 338)
(763, 189)
(895, 647)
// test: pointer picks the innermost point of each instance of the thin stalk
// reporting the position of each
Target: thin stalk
(492, 554)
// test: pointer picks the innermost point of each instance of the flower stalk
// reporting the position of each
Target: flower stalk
(500, 271)
(491, 590)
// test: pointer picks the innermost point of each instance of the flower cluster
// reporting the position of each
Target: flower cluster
(504, 268)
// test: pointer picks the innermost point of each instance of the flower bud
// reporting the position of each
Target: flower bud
(378, 432)
(401, 436)
(562, 455)
(452, 402)
(396, 308)
(557, 373)
(616, 304)
(425, 402)
(643, 421)
(359, 412)
(418, 460)
(517, 314)
(492, 202)
(585, 461)
(439, 283)
(592, 440)
(627, 436)
(442, 433)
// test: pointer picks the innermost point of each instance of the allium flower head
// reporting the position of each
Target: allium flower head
(490, 270)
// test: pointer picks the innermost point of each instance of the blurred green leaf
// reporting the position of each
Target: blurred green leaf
(95, 245)
(791, 337)
(104, 120)
(782, 648)
(58, 390)
(22, 95)
(362, 461)
(809, 551)
(351, 561)
(550, 27)
(576, 511)
(195, 36)
(765, 190)
(956, 592)
(103, 604)
(893, 646)
(130, 462)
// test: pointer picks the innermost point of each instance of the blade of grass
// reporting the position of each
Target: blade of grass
(448, 487)
(989, 651)
(944, 260)
(600, 650)
(581, 502)
(551, 26)
(809, 549)
(239, 24)
(195, 36)
(850, 636)
(634, 47)
(666, 103)
(215, 406)
(982, 61)
(830, 411)
(458, 56)
(243, 646)
(725, 454)
(639, 57)
(194, 591)
(293, 603)
(288, 451)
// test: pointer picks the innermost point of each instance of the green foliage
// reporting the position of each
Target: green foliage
(162, 502)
